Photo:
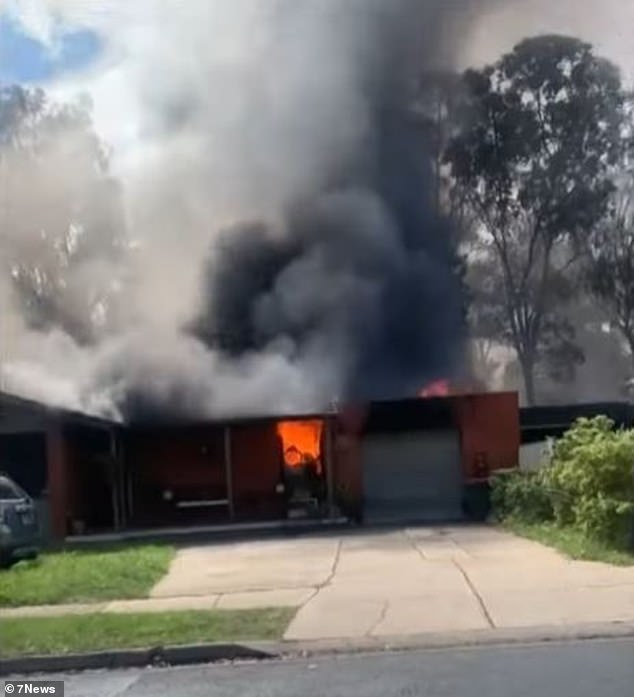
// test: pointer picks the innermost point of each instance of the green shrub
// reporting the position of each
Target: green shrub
(588, 484)
(520, 495)
(561, 477)
(589, 479)
(606, 519)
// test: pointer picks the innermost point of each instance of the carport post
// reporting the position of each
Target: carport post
(115, 465)
(229, 470)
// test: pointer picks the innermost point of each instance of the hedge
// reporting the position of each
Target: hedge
(588, 483)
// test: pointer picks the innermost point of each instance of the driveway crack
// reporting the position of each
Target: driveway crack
(476, 594)
(329, 579)
(412, 542)
(381, 617)
(335, 564)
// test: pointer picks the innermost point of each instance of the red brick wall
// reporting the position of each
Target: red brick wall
(180, 459)
(348, 468)
(489, 432)
(348, 475)
(256, 458)
(187, 461)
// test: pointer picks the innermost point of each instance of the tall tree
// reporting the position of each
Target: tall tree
(436, 105)
(610, 262)
(62, 231)
(540, 132)
(485, 325)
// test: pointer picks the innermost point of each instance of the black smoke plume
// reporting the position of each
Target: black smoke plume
(363, 268)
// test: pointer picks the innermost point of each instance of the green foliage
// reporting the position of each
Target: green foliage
(534, 150)
(591, 478)
(572, 542)
(587, 485)
(609, 264)
(605, 518)
(86, 575)
(107, 631)
(521, 495)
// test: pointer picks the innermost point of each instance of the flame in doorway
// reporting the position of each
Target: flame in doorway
(301, 442)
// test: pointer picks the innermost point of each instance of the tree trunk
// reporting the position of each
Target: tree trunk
(528, 375)
(630, 341)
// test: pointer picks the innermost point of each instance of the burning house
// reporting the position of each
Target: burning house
(287, 248)
(410, 460)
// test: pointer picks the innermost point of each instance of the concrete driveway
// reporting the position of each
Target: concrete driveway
(404, 581)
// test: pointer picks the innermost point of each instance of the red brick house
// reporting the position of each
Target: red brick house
(386, 461)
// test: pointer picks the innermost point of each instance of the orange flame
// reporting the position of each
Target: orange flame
(300, 441)
(438, 388)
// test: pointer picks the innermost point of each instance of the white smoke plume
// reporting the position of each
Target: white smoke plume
(217, 112)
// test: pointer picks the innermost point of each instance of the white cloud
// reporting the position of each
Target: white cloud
(47, 21)
(605, 23)
(148, 42)
(34, 17)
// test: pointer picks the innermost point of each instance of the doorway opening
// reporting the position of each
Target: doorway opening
(305, 481)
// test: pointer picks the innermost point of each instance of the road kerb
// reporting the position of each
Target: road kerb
(269, 650)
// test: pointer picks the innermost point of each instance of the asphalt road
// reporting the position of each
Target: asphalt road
(584, 669)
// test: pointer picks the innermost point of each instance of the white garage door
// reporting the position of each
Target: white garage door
(412, 476)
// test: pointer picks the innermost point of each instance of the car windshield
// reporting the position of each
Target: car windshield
(10, 491)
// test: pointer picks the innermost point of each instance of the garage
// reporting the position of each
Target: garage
(412, 475)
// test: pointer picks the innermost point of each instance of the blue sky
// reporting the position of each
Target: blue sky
(24, 59)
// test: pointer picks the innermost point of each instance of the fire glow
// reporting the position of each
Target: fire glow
(438, 388)
(300, 442)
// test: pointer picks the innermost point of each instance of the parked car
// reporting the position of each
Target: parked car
(19, 526)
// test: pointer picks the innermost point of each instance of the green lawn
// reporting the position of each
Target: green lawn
(571, 542)
(85, 575)
(82, 633)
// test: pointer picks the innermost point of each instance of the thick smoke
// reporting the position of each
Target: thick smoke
(286, 249)
(362, 272)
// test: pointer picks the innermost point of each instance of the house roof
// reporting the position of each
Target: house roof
(377, 416)
(563, 416)
(174, 422)
(9, 400)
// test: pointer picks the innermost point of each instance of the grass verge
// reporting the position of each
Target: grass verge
(85, 575)
(571, 542)
(82, 633)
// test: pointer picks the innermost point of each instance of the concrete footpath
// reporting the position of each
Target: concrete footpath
(388, 583)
